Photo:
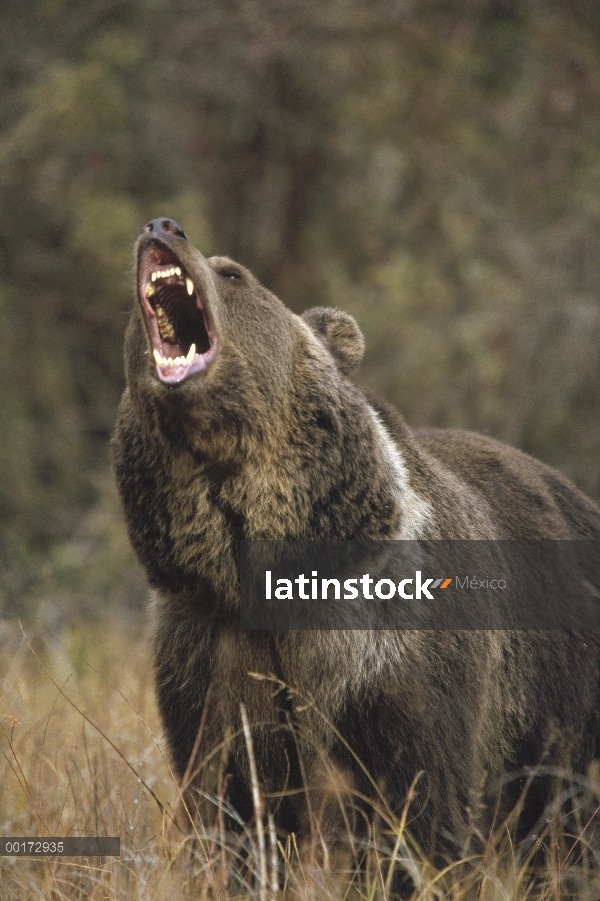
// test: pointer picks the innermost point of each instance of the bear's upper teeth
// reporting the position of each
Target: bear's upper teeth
(166, 273)
(178, 361)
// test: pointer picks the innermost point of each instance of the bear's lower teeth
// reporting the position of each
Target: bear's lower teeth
(178, 361)
(166, 330)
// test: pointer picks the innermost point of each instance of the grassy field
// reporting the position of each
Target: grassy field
(82, 754)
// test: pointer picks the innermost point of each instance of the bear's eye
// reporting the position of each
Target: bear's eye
(230, 273)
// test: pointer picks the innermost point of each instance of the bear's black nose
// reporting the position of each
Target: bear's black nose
(164, 225)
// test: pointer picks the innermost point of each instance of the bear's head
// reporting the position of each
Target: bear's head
(210, 351)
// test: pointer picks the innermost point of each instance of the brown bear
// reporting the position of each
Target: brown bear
(240, 422)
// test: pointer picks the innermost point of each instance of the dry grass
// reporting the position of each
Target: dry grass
(81, 755)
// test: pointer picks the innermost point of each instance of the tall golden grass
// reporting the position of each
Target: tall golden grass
(82, 754)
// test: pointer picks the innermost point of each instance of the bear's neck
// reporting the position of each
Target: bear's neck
(332, 471)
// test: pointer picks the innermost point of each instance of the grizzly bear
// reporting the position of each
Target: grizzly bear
(240, 422)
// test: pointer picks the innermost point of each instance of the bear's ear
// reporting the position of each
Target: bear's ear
(340, 334)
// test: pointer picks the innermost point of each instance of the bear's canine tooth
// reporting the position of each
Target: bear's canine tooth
(191, 354)
(189, 286)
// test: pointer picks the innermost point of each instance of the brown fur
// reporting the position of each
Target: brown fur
(274, 441)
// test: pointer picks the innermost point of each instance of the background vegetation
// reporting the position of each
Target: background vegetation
(431, 166)
(81, 755)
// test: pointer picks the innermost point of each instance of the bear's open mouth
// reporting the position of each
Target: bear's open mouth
(183, 341)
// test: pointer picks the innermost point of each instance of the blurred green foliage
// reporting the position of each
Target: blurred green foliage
(431, 166)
